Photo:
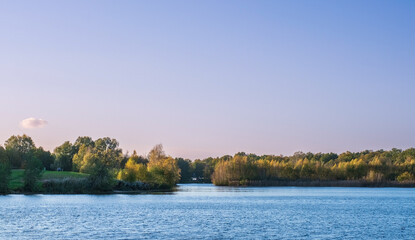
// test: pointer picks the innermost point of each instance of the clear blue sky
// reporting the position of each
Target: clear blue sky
(208, 78)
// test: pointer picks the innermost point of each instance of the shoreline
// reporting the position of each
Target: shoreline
(334, 184)
(135, 192)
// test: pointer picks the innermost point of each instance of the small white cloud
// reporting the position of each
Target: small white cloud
(33, 123)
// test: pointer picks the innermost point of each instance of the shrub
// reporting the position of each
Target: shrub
(134, 186)
(67, 185)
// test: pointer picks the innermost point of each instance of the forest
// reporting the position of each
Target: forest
(101, 166)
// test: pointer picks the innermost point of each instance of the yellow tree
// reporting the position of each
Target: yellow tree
(162, 169)
(130, 171)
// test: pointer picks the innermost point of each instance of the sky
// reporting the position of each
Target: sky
(209, 78)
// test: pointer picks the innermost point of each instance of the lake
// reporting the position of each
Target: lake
(204, 211)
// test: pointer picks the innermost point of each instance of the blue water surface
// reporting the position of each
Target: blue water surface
(204, 211)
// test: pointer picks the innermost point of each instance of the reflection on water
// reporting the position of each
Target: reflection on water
(203, 211)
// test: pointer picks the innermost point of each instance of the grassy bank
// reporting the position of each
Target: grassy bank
(16, 181)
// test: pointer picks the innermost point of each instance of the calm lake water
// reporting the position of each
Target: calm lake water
(203, 211)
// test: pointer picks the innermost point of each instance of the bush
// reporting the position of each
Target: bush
(101, 180)
(134, 186)
(66, 185)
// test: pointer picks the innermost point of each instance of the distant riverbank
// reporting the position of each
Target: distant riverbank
(316, 183)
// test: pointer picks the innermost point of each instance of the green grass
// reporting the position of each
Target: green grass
(58, 175)
(16, 180)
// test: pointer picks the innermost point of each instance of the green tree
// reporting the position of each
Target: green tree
(81, 147)
(32, 174)
(185, 169)
(102, 163)
(326, 157)
(164, 172)
(209, 167)
(78, 158)
(100, 177)
(198, 167)
(163, 169)
(45, 157)
(5, 171)
(19, 149)
(138, 159)
(83, 141)
(108, 150)
(63, 156)
(307, 170)
(109, 155)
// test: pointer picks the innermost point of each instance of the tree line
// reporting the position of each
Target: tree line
(107, 166)
(104, 162)
(366, 166)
